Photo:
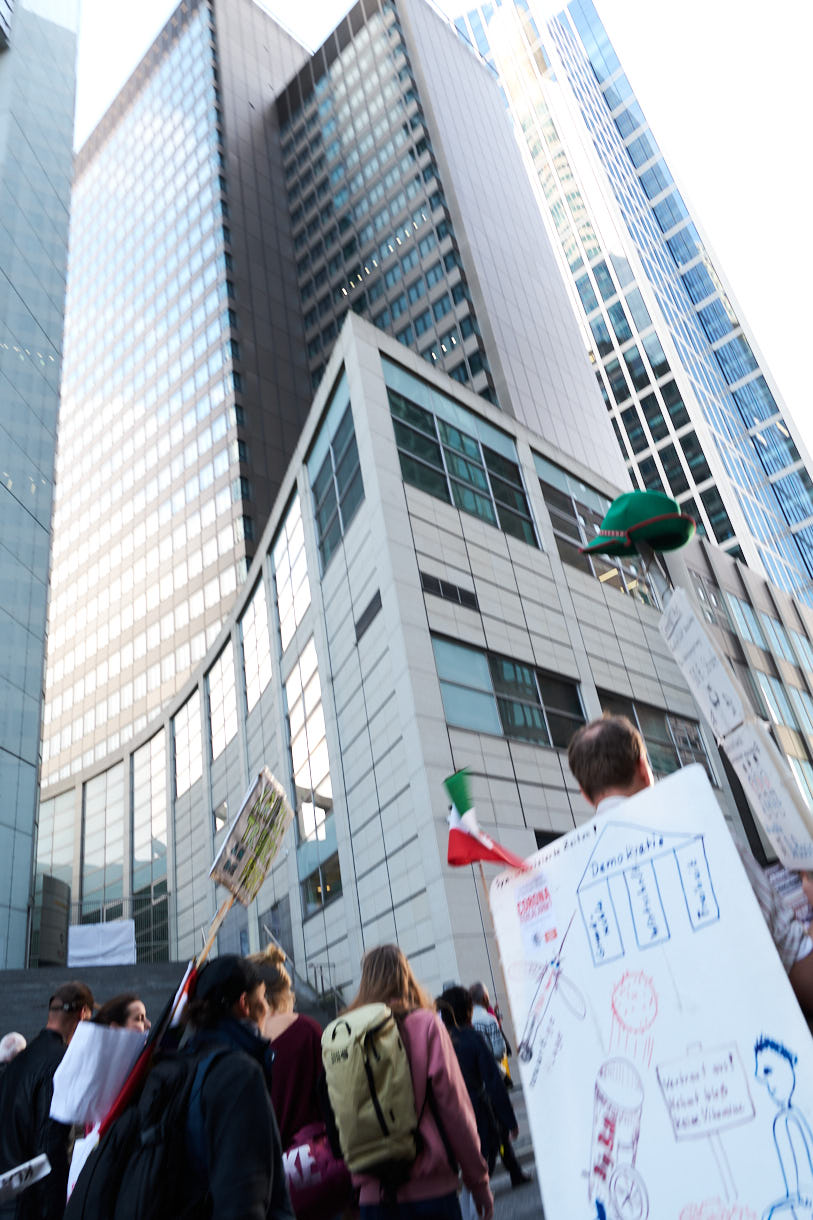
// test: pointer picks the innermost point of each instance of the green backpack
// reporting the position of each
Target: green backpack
(369, 1085)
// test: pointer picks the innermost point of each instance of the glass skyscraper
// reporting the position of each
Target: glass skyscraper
(695, 411)
(184, 383)
(37, 73)
(237, 200)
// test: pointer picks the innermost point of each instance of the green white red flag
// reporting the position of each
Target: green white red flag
(467, 842)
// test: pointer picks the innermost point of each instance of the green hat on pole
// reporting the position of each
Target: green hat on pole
(642, 516)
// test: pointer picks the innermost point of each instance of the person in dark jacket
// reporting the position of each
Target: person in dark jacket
(246, 1179)
(489, 1096)
(26, 1129)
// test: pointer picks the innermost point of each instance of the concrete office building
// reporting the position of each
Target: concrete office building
(37, 70)
(694, 408)
(395, 625)
(265, 212)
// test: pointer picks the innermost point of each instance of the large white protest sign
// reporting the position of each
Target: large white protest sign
(772, 793)
(666, 1066)
(253, 839)
(708, 675)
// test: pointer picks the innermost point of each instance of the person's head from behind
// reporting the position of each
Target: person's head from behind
(228, 987)
(459, 1002)
(270, 966)
(479, 995)
(124, 1011)
(68, 1006)
(10, 1046)
(387, 978)
(608, 758)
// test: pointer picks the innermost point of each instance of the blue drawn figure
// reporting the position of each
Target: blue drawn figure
(776, 1069)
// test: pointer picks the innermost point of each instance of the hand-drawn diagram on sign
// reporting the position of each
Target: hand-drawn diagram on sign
(634, 1009)
(622, 874)
(654, 1025)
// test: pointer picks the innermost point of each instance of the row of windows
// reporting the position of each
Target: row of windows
(454, 466)
(576, 512)
(492, 694)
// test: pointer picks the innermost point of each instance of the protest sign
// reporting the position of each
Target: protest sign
(92, 1071)
(772, 793)
(764, 773)
(660, 1044)
(707, 673)
(253, 839)
(14, 1181)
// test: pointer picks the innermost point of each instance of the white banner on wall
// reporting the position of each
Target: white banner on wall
(667, 1069)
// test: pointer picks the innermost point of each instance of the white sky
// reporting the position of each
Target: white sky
(725, 87)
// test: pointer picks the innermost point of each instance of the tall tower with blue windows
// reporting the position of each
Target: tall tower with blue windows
(37, 78)
(695, 410)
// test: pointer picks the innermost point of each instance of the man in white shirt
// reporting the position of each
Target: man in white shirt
(608, 758)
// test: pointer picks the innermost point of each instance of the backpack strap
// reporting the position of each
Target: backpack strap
(435, 1110)
(195, 1134)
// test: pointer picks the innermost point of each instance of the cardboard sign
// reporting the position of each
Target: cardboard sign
(707, 673)
(18, 1179)
(660, 1045)
(772, 793)
(254, 839)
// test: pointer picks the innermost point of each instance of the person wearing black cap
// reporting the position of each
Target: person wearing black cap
(241, 1142)
(27, 1085)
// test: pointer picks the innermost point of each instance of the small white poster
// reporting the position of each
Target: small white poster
(772, 793)
(253, 839)
(707, 673)
(666, 1066)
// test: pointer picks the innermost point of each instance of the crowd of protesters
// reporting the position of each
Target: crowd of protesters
(253, 1130)
(263, 1086)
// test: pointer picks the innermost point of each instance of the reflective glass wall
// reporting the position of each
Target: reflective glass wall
(37, 68)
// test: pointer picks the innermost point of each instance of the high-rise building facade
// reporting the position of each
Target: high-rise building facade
(229, 210)
(399, 215)
(37, 77)
(389, 632)
(184, 386)
(695, 410)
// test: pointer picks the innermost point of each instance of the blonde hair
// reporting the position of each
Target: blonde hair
(387, 978)
(270, 966)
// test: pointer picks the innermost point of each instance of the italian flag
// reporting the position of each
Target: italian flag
(467, 842)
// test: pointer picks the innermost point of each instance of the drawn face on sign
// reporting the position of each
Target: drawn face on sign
(776, 1072)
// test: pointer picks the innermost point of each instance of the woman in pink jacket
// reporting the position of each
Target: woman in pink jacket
(431, 1191)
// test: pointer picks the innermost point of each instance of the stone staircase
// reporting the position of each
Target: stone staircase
(24, 994)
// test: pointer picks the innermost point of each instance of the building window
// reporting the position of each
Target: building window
(448, 456)
(256, 641)
(317, 862)
(576, 512)
(291, 573)
(188, 748)
(222, 701)
(493, 694)
(335, 473)
(103, 846)
(671, 741)
(149, 852)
